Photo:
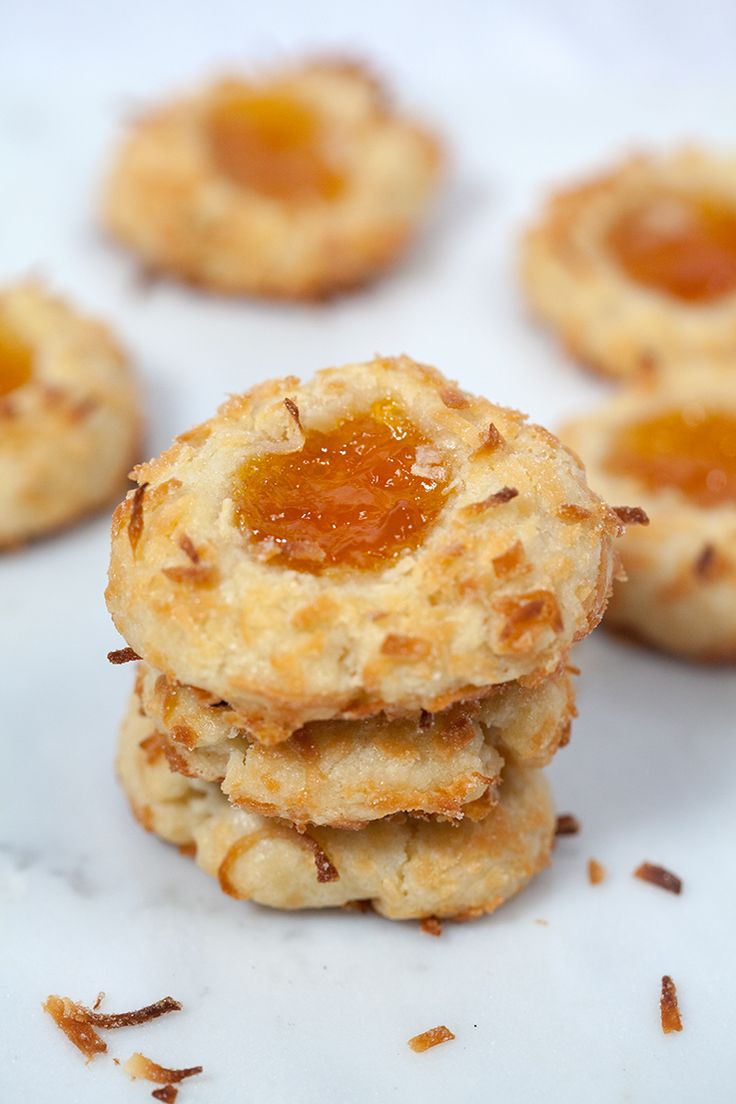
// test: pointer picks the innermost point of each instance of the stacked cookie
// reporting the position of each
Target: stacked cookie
(354, 601)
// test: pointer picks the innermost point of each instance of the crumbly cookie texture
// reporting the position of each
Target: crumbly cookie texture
(405, 868)
(680, 593)
(345, 773)
(70, 424)
(611, 323)
(168, 199)
(516, 567)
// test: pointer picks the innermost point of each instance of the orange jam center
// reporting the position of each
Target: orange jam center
(691, 450)
(272, 142)
(683, 246)
(356, 496)
(16, 360)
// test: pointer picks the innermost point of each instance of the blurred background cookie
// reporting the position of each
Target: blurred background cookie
(70, 422)
(639, 264)
(669, 443)
(296, 185)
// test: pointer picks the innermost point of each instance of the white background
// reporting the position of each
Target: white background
(317, 1008)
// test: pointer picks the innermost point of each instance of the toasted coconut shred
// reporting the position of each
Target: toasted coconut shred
(293, 411)
(326, 870)
(71, 1018)
(657, 875)
(668, 1007)
(431, 925)
(138, 1067)
(596, 872)
(168, 1094)
(431, 1038)
(112, 1020)
(135, 525)
(631, 515)
(567, 825)
(122, 655)
(79, 1022)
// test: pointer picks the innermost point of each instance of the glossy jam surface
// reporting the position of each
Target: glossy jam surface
(683, 246)
(690, 450)
(271, 142)
(16, 360)
(348, 498)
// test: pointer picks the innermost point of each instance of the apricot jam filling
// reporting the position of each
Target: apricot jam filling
(356, 496)
(690, 450)
(684, 246)
(271, 142)
(16, 359)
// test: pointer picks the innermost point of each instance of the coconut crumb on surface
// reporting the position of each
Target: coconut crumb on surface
(657, 875)
(669, 1009)
(596, 872)
(167, 1094)
(79, 1023)
(113, 1020)
(69, 1017)
(431, 1038)
(140, 1067)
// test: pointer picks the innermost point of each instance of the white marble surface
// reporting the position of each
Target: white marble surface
(318, 1008)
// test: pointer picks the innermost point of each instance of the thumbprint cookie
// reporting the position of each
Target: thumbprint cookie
(293, 185)
(70, 425)
(669, 441)
(406, 868)
(373, 540)
(638, 265)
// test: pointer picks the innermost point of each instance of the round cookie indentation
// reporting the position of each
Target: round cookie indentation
(689, 449)
(16, 359)
(683, 246)
(355, 496)
(272, 142)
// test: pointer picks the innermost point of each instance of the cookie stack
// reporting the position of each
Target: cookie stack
(354, 601)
